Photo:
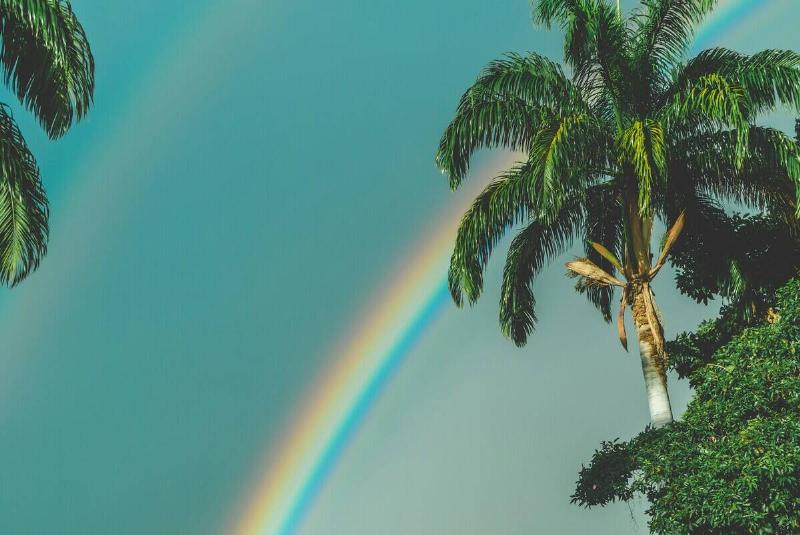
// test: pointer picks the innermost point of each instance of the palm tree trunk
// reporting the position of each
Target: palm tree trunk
(654, 365)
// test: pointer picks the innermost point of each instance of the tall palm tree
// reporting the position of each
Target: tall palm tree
(47, 63)
(636, 133)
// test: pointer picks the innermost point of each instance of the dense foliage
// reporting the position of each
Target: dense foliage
(47, 64)
(749, 259)
(732, 463)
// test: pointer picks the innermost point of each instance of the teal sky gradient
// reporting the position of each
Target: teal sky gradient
(251, 172)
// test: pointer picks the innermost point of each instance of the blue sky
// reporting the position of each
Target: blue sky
(250, 173)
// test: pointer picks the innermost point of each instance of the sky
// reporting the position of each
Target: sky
(251, 173)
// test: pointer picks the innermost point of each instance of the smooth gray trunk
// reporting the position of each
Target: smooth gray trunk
(655, 384)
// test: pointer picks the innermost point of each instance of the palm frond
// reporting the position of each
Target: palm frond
(663, 30)
(499, 206)
(23, 205)
(565, 13)
(718, 60)
(530, 249)
(768, 179)
(586, 23)
(47, 61)
(769, 78)
(592, 274)
(642, 144)
(565, 152)
(600, 57)
(501, 107)
(708, 104)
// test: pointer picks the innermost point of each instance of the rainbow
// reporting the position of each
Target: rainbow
(368, 357)
(363, 364)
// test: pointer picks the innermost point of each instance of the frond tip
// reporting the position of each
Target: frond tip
(23, 205)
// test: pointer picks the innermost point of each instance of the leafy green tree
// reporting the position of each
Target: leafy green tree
(752, 257)
(636, 133)
(732, 464)
(47, 63)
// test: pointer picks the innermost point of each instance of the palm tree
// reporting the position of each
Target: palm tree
(636, 133)
(47, 63)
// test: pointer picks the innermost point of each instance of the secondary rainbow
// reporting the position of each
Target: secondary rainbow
(364, 362)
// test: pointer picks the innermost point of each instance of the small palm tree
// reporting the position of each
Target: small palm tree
(636, 133)
(48, 65)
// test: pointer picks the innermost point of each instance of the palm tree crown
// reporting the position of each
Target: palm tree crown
(636, 132)
(47, 63)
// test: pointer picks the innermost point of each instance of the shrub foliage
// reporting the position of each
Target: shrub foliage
(732, 464)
